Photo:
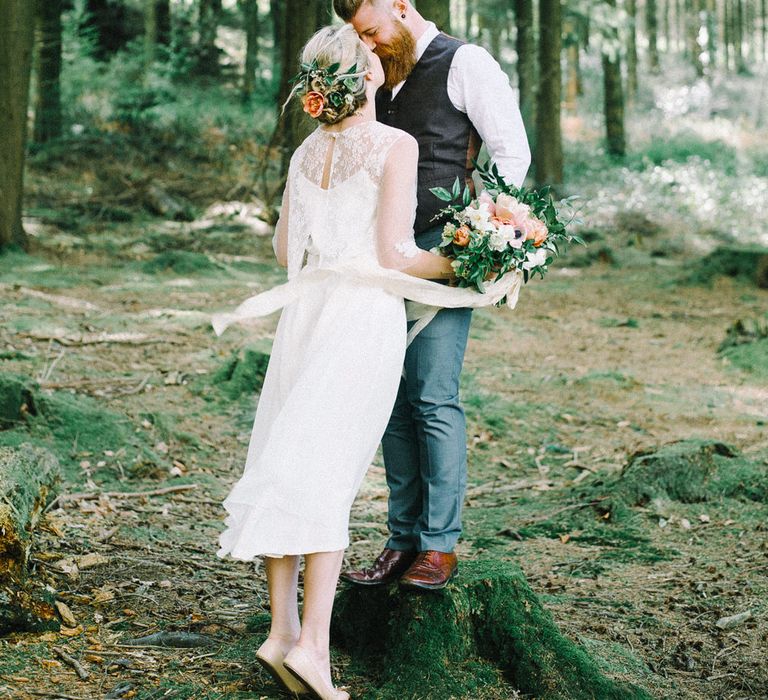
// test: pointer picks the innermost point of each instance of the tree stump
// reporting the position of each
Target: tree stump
(750, 262)
(446, 644)
(691, 471)
(28, 477)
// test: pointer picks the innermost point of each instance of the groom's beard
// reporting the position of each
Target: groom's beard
(398, 57)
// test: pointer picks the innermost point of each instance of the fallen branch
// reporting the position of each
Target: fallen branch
(70, 497)
(74, 663)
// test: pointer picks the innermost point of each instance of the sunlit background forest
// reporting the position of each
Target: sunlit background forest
(617, 417)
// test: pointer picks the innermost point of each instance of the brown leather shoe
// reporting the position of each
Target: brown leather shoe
(431, 570)
(387, 567)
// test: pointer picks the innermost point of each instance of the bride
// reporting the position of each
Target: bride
(345, 234)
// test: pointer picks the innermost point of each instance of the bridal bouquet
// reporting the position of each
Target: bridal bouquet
(506, 228)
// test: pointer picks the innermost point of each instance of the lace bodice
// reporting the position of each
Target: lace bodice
(339, 203)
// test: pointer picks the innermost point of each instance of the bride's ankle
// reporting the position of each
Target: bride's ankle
(284, 639)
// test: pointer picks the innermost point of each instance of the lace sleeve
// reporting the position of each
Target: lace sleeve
(397, 206)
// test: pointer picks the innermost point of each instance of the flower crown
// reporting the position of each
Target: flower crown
(323, 87)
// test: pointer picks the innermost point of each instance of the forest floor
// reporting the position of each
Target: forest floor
(616, 351)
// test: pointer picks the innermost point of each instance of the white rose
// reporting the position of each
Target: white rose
(497, 240)
(535, 259)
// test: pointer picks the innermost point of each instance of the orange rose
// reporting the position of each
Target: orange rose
(461, 237)
(314, 104)
(536, 230)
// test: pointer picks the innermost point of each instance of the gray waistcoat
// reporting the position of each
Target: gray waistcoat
(447, 140)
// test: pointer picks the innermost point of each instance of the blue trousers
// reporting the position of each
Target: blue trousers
(425, 443)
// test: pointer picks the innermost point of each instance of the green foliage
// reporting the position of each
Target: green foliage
(685, 145)
(243, 373)
(181, 262)
(744, 262)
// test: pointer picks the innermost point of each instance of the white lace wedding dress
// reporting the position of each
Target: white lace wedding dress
(338, 350)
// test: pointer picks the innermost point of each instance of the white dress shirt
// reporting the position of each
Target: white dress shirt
(478, 87)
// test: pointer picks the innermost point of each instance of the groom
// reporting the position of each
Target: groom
(450, 96)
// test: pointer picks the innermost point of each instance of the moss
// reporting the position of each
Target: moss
(747, 262)
(181, 262)
(750, 357)
(16, 399)
(448, 643)
(70, 425)
(243, 372)
(679, 471)
(28, 477)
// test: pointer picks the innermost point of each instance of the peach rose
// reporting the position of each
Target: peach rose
(461, 237)
(511, 210)
(314, 104)
(536, 230)
(485, 198)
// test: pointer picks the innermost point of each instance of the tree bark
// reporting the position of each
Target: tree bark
(16, 43)
(548, 150)
(48, 93)
(613, 101)
(694, 27)
(526, 63)
(150, 32)
(209, 14)
(250, 10)
(113, 24)
(631, 6)
(652, 29)
(438, 11)
(304, 17)
(571, 39)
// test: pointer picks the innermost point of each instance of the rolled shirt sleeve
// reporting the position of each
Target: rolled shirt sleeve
(479, 87)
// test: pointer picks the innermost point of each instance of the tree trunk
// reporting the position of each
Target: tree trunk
(526, 63)
(304, 17)
(711, 23)
(163, 18)
(548, 151)
(112, 24)
(209, 14)
(150, 32)
(738, 37)
(439, 646)
(694, 27)
(571, 39)
(652, 28)
(666, 26)
(631, 6)
(250, 10)
(16, 41)
(48, 90)
(613, 101)
(438, 11)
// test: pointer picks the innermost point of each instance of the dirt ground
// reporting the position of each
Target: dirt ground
(596, 363)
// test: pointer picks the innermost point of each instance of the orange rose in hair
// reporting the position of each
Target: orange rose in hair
(314, 104)
(461, 237)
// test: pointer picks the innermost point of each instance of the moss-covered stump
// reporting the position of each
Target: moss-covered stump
(748, 262)
(28, 478)
(16, 400)
(691, 471)
(679, 471)
(450, 643)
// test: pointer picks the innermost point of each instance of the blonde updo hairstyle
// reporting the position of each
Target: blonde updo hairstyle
(337, 45)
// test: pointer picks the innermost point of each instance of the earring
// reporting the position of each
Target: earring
(403, 15)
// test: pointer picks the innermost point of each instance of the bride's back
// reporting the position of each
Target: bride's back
(333, 190)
